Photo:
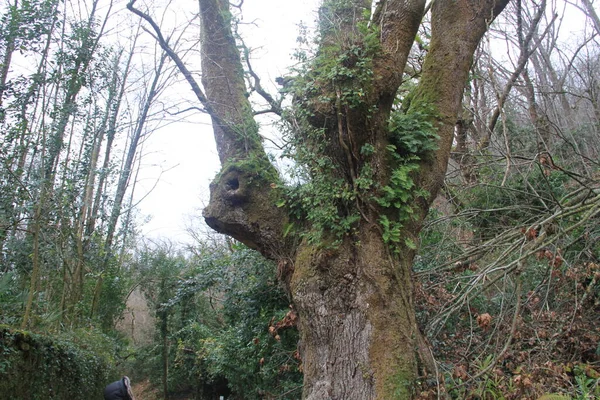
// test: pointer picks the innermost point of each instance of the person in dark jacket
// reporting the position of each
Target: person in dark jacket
(119, 390)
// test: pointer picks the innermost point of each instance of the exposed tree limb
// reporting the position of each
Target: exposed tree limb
(256, 85)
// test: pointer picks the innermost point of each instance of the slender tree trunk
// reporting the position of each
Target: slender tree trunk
(125, 177)
(9, 48)
(131, 154)
(23, 142)
(36, 266)
(539, 121)
(462, 152)
(164, 335)
(81, 239)
(128, 215)
(111, 128)
(53, 142)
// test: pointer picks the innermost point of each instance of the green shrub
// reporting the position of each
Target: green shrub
(34, 367)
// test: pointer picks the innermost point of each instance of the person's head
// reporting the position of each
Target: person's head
(119, 390)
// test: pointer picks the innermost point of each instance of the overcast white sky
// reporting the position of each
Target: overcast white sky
(186, 150)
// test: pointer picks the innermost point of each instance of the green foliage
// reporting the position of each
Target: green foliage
(219, 304)
(27, 24)
(116, 284)
(12, 299)
(524, 196)
(57, 167)
(412, 137)
(242, 350)
(587, 382)
(327, 200)
(338, 78)
(438, 240)
(341, 70)
(413, 133)
(33, 367)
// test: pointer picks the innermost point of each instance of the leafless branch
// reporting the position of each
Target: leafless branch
(173, 56)
(256, 85)
(522, 62)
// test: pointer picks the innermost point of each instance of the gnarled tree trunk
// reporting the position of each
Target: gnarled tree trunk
(352, 290)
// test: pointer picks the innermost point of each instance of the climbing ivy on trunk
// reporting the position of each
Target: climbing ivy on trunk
(345, 235)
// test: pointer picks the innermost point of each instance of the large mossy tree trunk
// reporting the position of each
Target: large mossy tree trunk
(359, 337)
(348, 269)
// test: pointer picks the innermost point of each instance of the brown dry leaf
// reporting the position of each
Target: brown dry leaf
(531, 234)
(557, 261)
(460, 372)
(540, 254)
(517, 379)
(484, 321)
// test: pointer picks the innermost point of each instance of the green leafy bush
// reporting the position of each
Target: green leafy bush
(34, 367)
(214, 311)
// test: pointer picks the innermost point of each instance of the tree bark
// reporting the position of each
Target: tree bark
(240, 200)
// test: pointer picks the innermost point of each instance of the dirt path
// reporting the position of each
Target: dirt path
(145, 391)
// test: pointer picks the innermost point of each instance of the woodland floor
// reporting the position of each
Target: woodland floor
(144, 390)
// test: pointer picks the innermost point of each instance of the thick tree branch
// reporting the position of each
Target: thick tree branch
(456, 33)
(242, 202)
(591, 13)
(399, 22)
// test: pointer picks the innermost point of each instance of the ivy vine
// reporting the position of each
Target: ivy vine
(324, 196)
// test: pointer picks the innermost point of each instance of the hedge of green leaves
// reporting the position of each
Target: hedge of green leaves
(33, 367)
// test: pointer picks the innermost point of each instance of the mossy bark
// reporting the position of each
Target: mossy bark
(456, 30)
(241, 202)
(359, 334)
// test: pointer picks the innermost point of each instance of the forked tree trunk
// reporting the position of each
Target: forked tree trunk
(359, 336)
